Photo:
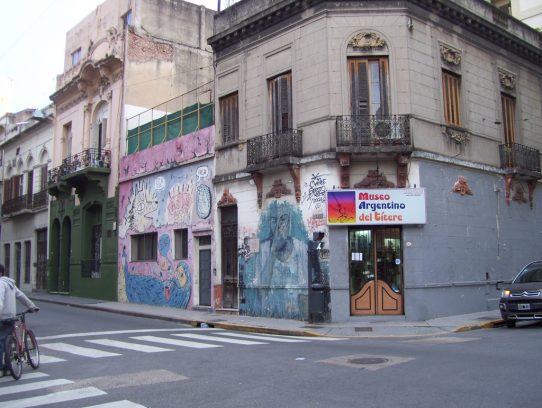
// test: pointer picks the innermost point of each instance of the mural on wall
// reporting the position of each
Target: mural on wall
(275, 277)
(167, 155)
(161, 203)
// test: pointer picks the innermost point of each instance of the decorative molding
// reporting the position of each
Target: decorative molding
(295, 171)
(374, 179)
(507, 79)
(278, 190)
(367, 41)
(462, 187)
(402, 170)
(450, 55)
(458, 136)
(344, 162)
(227, 199)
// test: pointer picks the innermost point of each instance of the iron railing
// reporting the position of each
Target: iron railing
(25, 202)
(373, 130)
(90, 158)
(273, 146)
(519, 157)
(90, 268)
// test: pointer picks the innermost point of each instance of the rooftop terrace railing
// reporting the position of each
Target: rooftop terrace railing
(179, 116)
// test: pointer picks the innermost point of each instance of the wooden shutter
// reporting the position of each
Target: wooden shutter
(280, 90)
(229, 117)
(450, 88)
(508, 119)
(43, 178)
(359, 87)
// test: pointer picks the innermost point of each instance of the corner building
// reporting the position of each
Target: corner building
(406, 134)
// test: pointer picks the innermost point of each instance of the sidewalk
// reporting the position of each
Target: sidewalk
(371, 327)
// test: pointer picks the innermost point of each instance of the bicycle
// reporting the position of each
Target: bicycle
(20, 346)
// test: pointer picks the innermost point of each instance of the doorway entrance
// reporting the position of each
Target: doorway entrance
(204, 257)
(376, 271)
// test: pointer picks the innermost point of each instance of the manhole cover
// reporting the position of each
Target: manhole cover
(368, 360)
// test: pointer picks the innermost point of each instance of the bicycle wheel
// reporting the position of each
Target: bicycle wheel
(31, 349)
(12, 361)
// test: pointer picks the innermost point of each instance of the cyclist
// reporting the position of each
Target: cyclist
(9, 294)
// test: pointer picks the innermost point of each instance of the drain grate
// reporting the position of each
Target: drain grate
(363, 329)
(368, 360)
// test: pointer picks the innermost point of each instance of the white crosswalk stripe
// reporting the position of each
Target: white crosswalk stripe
(218, 339)
(175, 342)
(117, 404)
(53, 398)
(80, 351)
(261, 337)
(13, 389)
(129, 346)
(27, 376)
(49, 359)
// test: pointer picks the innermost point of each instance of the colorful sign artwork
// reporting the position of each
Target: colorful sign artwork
(376, 207)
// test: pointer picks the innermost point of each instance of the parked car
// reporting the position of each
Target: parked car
(522, 298)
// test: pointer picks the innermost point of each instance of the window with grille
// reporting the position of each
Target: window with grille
(144, 247)
(280, 94)
(508, 119)
(229, 117)
(369, 91)
(450, 88)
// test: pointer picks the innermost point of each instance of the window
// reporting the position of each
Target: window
(43, 177)
(27, 259)
(67, 140)
(229, 118)
(280, 94)
(76, 56)
(508, 119)
(144, 247)
(450, 88)
(7, 259)
(181, 243)
(369, 90)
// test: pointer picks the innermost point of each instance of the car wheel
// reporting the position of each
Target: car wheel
(510, 323)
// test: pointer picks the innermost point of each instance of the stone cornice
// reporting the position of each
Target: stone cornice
(278, 12)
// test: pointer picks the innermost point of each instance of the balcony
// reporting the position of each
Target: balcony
(370, 134)
(520, 160)
(27, 203)
(274, 149)
(91, 165)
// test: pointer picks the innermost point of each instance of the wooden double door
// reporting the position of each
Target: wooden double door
(376, 271)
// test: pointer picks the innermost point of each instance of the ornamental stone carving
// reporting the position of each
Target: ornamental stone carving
(450, 55)
(367, 41)
(462, 187)
(507, 80)
(456, 135)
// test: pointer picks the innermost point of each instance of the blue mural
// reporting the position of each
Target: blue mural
(161, 284)
(274, 280)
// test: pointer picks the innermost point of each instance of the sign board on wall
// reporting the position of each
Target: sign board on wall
(376, 206)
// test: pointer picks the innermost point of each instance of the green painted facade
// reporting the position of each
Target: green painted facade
(80, 262)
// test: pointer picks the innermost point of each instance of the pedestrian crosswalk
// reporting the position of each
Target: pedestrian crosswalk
(159, 342)
(56, 391)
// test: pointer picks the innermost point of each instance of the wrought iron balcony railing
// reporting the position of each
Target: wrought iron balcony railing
(90, 268)
(273, 146)
(90, 158)
(519, 158)
(372, 130)
(28, 202)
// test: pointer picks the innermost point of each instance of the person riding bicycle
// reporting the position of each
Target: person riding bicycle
(9, 294)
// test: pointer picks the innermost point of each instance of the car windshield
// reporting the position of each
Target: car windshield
(532, 273)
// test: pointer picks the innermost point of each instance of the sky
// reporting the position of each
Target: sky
(32, 42)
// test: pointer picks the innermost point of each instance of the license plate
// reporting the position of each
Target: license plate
(524, 306)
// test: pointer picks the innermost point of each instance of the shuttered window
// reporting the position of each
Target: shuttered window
(280, 94)
(43, 177)
(229, 117)
(144, 247)
(369, 89)
(508, 119)
(451, 94)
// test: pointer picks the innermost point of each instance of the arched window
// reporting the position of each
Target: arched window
(99, 127)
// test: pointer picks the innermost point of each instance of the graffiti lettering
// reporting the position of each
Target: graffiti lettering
(315, 191)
